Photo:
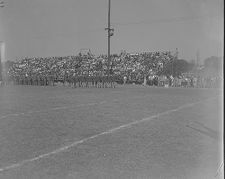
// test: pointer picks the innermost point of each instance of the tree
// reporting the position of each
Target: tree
(176, 68)
(213, 62)
(212, 66)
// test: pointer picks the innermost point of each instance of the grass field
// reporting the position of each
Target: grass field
(130, 132)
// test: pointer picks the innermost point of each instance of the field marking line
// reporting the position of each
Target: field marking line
(53, 109)
(110, 131)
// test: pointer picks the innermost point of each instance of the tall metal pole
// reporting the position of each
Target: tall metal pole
(197, 67)
(172, 67)
(176, 58)
(109, 35)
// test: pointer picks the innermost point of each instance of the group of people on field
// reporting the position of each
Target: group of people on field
(73, 81)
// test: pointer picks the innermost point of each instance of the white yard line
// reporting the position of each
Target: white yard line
(19, 164)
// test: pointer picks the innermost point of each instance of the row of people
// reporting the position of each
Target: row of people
(181, 81)
(73, 81)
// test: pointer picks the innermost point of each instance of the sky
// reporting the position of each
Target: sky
(43, 28)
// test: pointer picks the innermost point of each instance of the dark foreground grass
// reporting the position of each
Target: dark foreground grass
(38, 120)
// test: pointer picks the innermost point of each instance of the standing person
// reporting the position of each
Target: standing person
(103, 82)
(156, 81)
(106, 81)
(110, 81)
(171, 81)
(191, 82)
(124, 80)
(89, 81)
(150, 78)
(17, 80)
(35, 80)
(38, 80)
(82, 80)
(92, 81)
(26, 79)
(114, 81)
(41, 80)
(79, 81)
(70, 79)
(97, 81)
(195, 82)
(32, 80)
(100, 81)
(51, 78)
(86, 81)
(74, 80)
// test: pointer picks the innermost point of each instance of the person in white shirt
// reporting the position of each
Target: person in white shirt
(124, 80)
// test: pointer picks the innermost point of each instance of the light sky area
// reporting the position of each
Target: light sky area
(42, 28)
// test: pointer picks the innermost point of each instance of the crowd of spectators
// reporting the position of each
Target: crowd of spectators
(137, 68)
(133, 65)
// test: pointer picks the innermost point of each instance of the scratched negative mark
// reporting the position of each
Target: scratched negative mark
(203, 129)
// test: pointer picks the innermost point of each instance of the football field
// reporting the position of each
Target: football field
(132, 132)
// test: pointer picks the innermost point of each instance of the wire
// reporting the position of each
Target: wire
(153, 21)
(168, 20)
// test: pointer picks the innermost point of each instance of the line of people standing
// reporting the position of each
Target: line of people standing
(73, 81)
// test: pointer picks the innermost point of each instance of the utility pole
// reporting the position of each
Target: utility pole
(172, 67)
(110, 33)
(197, 57)
(197, 67)
(175, 58)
